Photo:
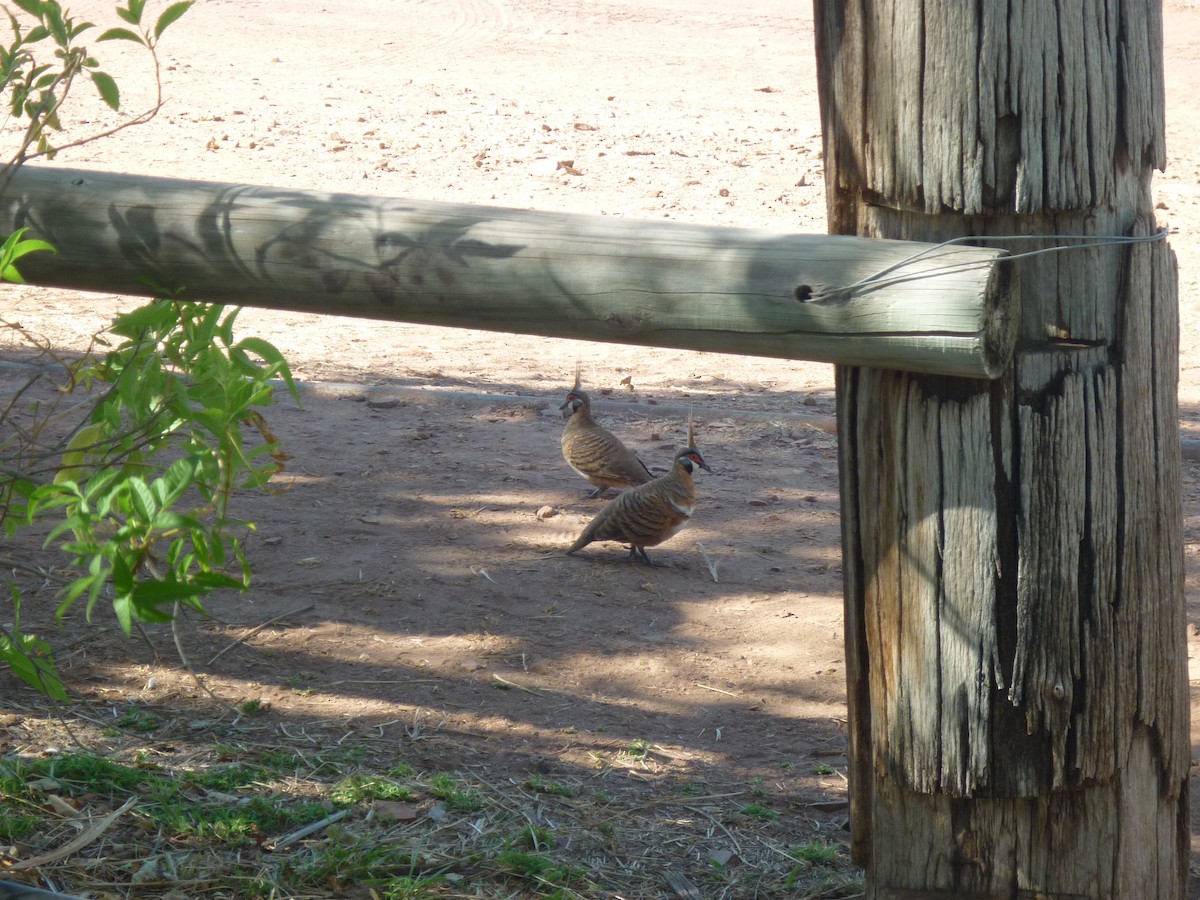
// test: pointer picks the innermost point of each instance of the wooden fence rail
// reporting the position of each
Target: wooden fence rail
(914, 306)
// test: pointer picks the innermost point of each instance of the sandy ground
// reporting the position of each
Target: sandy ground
(409, 540)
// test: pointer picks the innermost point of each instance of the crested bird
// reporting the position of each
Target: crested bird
(646, 515)
(592, 451)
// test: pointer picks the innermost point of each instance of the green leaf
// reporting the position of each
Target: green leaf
(152, 592)
(203, 550)
(211, 420)
(122, 34)
(77, 30)
(102, 485)
(74, 589)
(173, 521)
(123, 607)
(82, 445)
(209, 322)
(211, 581)
(169, 16)
(122, 575)
(176, 479)
(245, 563)
(226, 328)
(109, 92)
(152, 315)
(133, 13)
(15, 247)
(52, 15)
(67, 525)
(142, 499)
(271, 354)
(99, 578)
(150, 613)
(33, 245)
(33, 7)
(30, 660)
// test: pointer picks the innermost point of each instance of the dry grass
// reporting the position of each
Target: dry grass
(153, 802)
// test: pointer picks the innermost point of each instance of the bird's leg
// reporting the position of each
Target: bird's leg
(597, 492)
(640, 552)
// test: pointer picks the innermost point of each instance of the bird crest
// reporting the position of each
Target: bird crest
(691, 426)
(578, 380)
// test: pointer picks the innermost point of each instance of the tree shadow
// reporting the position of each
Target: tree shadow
(403, 570)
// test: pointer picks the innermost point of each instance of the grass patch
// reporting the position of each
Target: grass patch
(821, 869)
(357, 788)
(239, 826)
(445, 788)
(817, 853)
(540, 785)
(15, 827)
(251, 707)
(637, 750)
(344, 860)
(758, 811)
(140, 720)
(324, 816)
(539, 869)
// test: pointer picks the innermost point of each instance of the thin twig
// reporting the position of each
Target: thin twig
(729, 834)
(149, 643)
(16, 397)
(712, 566)
(304, 832)
(718, 690)
(669, 801)
(187, 663)
(383, 681)
(7, 562)
(519, 687)
(22, 155)
(245, 637)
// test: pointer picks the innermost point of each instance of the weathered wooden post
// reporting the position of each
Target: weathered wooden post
(1014, 591)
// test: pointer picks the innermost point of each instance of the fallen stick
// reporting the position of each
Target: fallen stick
(87, 837)
(257, 629)
(304, 832)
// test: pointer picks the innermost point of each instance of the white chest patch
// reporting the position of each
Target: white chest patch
(684, 509)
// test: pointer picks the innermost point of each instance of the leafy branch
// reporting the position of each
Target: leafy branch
(141, 488)
(132, 462)
(38, 90)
